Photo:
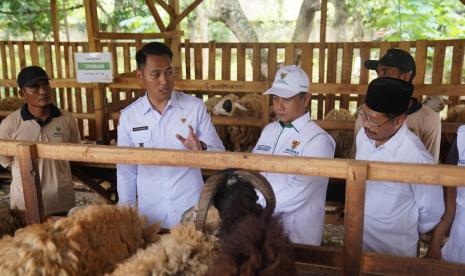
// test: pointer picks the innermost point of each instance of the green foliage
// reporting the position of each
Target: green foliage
(416, 19)
(25, 17)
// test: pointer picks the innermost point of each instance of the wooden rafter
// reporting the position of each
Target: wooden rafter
(180, 17)
(167, 8)
(156, 15)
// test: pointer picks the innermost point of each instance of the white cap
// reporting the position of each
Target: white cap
(289, 81)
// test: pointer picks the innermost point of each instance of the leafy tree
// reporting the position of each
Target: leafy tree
(412, 19)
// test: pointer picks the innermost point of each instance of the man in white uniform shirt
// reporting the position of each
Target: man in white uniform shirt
(394, 212)
(167, 119)
(300, 200)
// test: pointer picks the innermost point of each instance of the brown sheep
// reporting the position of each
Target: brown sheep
(344, 138)
(89, 242)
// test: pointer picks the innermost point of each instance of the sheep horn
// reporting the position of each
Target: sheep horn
(207, 194)
(261, 184)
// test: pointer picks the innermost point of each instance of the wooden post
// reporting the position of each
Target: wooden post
(357, 174)
(101, 121)
(30, 178)
(56, 41)
(175, 43)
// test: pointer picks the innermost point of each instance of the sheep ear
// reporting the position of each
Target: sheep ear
(239, 106)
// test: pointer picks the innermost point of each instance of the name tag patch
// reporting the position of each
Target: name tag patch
(263, 148)
(291, 152)
(140, 128)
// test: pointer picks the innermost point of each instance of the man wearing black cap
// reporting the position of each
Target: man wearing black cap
(421, 120)
(394, 212)
(40, 120)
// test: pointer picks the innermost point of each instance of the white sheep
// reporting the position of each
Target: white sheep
(89, 242)
(344, 138)
(242, 138)
(436, 103)
(220, 129)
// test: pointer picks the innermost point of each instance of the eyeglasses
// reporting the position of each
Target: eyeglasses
(372, 123)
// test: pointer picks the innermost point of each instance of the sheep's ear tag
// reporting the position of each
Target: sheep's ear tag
(183, 120)
(241, 107)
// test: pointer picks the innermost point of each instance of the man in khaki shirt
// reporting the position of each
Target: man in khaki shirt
(40, 120)
(421, 120)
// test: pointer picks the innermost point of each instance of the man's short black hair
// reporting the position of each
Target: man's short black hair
(152, 48)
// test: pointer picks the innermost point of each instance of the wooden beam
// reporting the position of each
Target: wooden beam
(156, 15)
(30, 179)
(55, 23)
(169, 9)
(180, 17)
(105, 35)
(353, 218)
(324, 15)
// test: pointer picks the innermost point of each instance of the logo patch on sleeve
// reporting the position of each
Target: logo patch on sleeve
(263, 148)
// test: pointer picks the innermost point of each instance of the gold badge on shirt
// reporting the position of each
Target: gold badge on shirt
(58, 132)
(295, 144)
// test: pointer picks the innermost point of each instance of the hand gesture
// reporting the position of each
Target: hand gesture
(192, 142)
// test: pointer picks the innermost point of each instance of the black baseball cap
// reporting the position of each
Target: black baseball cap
(394, 58)
(389, 95)
(31, 75)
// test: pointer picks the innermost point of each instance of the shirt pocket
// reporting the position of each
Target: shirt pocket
(141, 138)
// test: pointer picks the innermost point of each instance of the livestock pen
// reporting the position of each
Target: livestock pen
(350, 260)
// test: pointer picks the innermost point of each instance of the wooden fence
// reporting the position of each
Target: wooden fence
(336, 70)
(351, 260)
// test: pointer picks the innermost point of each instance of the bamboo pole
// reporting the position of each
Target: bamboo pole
(101, 121)
(30, 179)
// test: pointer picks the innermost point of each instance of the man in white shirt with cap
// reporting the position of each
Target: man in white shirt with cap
(300, 200)
(394, 212)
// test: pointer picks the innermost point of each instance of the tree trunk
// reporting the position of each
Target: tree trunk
(304, 23)
(342, 16)
(231, 14)
(199, 25)
(65, 18)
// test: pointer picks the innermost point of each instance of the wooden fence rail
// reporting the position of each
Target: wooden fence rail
(336, 70)
(352, 261)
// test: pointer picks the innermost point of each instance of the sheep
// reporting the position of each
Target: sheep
(89, 242)
(188, 251)
(344, 138)
(263, 251)
(11, 103)
(220, 129)
(185, 251)
(8, 223)
(242, 138)
(436, 103)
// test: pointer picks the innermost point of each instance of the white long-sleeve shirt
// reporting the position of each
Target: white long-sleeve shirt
(396, 212)
(300, 200)
(163, 193)
(454, 249)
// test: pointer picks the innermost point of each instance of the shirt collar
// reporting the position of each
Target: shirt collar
(298, 123)
(147, 106)
(393, 144)
(27, 115)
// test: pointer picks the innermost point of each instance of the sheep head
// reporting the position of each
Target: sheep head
(228, 105)
(436, 103)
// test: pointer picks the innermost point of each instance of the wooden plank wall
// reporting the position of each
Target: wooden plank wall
(336, 70)
(340, 63)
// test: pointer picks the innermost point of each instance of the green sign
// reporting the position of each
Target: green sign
(94, 66)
